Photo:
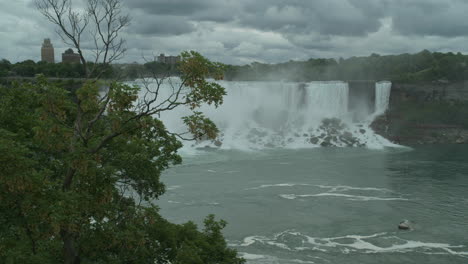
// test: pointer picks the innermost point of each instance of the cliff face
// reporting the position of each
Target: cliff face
(429, 92)
(426, 113)
(412, 132)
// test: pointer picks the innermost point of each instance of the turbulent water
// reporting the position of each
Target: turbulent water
(329, 205)
(288, 200)
(262, 115)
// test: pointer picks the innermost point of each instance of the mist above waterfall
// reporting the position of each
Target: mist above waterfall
(257, 115)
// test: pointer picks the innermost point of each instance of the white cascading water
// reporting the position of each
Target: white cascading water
(258, 115)
(382, 96)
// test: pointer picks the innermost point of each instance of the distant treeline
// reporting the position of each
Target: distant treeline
(419, 67)
(29, 68)
(422, 66)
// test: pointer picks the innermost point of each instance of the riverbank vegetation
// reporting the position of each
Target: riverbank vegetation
(80, 166)
(420, 67)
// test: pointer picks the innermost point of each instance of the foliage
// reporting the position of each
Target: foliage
(30, 68)
(80, 172)
(419, 67)
(422, 66)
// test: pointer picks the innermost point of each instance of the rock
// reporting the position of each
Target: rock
(314, 140)
(460, 141)
(348, 135)
(404, 225)
(325, 144)
(363, 131)
(218, 143)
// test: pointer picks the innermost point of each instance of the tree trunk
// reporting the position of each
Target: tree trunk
(70, 254)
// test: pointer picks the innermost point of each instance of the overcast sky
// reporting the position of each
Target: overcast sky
(244, 31)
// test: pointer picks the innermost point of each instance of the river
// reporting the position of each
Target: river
(329, 205)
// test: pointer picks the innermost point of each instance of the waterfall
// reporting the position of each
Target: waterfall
(257, 115)
(382, 96)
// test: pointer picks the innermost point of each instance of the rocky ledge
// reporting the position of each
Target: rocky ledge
(333, 132)
(418, 133)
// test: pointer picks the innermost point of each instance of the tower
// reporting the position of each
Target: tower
(47, 51)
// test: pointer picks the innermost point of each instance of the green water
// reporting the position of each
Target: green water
(329, 205)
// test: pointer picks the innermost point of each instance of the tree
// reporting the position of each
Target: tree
(5, 67)
(80, 168)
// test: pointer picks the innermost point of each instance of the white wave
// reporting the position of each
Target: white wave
(173, 187)
(348, 196)
(278, 185)
(288, 196)
(250, 240)
(301, 261)
(357, 243)
(334, 188)
(249, 256)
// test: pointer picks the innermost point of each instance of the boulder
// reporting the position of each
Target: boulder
(404, 225)
(218, 143)
(314, 140)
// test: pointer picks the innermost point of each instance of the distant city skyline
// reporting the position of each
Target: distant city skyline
(272, 31)
(48, 54)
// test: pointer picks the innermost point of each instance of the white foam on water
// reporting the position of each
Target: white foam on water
(334, 188)
(277, 185)
(249, 256)
(173, 187)
(356, 243)
(250, 240)
(348, 196)
(301, 261)
(336, 191)
(288, 196)
(262, 115)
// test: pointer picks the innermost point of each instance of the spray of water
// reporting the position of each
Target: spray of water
(258, 115)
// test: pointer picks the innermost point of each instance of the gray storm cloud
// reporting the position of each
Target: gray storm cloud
(243, 31)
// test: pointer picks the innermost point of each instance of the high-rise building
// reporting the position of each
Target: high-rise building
(69, 56)
(47, 51)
